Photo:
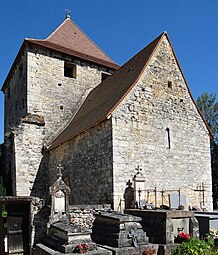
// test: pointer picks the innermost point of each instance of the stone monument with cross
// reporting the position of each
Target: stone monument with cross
(60, 193)
(139, 185)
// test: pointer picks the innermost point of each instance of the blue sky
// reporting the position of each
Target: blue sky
(121, 28)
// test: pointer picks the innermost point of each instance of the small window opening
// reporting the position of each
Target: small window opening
(170, 84)
(61, 107)
(168, 137)
(69, 70)
(104, 76)
(59, 84)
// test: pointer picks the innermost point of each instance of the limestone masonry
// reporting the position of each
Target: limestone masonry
(68, 103)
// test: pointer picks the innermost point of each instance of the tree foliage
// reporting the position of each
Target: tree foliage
(209, 109)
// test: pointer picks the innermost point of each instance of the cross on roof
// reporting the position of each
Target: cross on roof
(68, 11)
(59, 174)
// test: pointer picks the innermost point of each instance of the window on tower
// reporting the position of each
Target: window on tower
(69, 70)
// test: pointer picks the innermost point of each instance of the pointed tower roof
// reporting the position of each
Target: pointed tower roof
(70, 39)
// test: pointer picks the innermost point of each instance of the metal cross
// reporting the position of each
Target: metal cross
(59, 167)
(129, 183)
(132, 234)
(68, 11)
(138, 170)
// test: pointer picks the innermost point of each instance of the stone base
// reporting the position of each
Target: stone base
(129, 250)
(41, 249)
(166, 249)
(59, 245)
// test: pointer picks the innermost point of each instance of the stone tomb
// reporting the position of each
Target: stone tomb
(120, 233)
(63, 237)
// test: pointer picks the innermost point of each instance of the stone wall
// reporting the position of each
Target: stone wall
(87, 162)
(39, 102)
(15, 96)
(53, 95)
(158, 127)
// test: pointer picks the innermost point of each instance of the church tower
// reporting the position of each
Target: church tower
(45, 86)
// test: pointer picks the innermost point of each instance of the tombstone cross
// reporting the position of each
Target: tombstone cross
(138, 170)
(132, 234)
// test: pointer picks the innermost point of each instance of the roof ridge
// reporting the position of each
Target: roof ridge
(56, 29)
(159, 38)
(92, 41)
(95, 108)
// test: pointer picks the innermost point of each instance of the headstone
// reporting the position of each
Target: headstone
(129, 196)
(60, 193)
(175, 202)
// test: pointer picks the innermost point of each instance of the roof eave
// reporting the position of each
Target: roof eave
(79, 55)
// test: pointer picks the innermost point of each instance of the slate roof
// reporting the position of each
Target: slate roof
(102, 100)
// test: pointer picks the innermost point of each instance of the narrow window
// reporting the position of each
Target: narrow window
(168, 137)
(69, 70)
(170, 84)
(61, 107)
(104, 76)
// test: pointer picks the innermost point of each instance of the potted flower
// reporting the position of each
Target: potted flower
(182, 237)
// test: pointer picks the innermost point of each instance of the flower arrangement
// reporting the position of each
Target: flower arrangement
(83, 248)
(182, 237)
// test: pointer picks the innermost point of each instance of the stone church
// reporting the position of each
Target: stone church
(68, 103)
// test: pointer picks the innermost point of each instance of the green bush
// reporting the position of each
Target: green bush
(197, 247)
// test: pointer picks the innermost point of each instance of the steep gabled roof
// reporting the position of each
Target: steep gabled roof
(103, 99)
(70, 39)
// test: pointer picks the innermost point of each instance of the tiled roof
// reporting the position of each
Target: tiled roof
(103, 99)
(70, 39)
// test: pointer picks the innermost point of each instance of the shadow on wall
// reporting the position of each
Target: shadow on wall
(41, 201)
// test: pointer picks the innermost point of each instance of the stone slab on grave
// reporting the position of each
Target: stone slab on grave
(175, 201)
(41, 249)
(118, 230)
(162, 226)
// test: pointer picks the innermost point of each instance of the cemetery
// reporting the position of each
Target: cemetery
(98, 230)
(99, 158)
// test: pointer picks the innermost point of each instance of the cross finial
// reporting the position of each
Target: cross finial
(59, 174)
(68, 11)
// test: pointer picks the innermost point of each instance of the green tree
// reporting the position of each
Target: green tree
(209, 108)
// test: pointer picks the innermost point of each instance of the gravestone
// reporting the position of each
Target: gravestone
(64, 237)
(60, 194)
(175, 201)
